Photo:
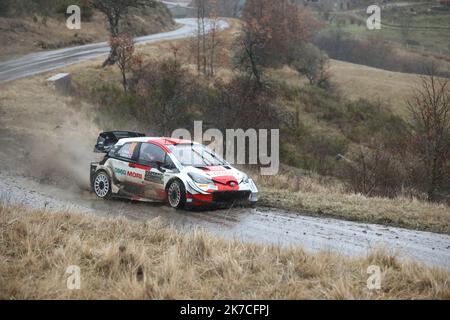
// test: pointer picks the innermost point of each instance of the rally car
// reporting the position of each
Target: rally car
(180, 172)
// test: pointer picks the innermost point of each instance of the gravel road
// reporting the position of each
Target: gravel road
(260, 225)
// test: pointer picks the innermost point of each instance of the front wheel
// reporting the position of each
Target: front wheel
(176, 193)
(102, 185)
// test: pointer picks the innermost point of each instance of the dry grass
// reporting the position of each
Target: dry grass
(356, 81)
(25, 35)
(36, 33)
(123, 260)
(322, 196)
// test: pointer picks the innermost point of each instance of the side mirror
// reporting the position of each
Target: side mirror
(167, 169)
(160, 166)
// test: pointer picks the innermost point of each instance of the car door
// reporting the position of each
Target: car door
(127, 170)
(151, 158)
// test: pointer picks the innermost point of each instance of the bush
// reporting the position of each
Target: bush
(116, 110)
(165, 93)
(310, 62)
(374, 172)
(4, 8)
(242, 103)
(314, 151)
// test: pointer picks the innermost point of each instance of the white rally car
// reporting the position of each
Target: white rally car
(183, 173)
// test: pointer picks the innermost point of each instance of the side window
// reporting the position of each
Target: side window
(151, 154)
(127, 150)
(169, 163)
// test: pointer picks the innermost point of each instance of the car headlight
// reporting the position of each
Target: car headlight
(200, 179)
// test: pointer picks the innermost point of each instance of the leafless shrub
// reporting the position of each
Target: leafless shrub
(429, 107)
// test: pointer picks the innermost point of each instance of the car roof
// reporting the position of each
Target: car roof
(163, 142)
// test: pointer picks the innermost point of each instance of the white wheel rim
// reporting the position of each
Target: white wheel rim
(101, 185)
(174, 194)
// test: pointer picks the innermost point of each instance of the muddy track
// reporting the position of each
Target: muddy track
(259, 225)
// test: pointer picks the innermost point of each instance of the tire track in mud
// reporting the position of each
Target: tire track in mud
(257, 225)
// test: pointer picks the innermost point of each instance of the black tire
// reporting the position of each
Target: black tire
(176, 194)
(101, 185)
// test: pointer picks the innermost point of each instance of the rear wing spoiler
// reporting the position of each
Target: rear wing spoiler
(107, 140)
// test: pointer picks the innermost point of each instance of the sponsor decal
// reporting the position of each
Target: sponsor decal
(120, 171)
(208, 187)
(219, 174)
(154, 177)
(134, 175)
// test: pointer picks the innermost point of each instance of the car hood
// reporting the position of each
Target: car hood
(220, 174)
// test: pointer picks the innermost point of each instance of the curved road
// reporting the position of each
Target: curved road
(40, 62)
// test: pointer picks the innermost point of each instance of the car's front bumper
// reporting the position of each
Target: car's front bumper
(247, 194)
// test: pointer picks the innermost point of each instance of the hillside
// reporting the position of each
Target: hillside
(356, 81)
(35, 32)
(298, 190)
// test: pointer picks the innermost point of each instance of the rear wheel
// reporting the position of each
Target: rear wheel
(102, 185)
(176, 193)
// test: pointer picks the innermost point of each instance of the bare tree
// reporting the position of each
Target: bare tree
(207, 38)
(115, 11)
(270, 33)
(200, 39)
(230, 8)
(249, 60)
(123, 45)
(214, 40)
(430, 110)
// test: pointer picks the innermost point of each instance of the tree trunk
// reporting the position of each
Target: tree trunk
(124, 82)
(204, 43)
(198, 39)
(114, 28)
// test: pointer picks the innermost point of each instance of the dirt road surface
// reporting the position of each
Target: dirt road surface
(259, 225)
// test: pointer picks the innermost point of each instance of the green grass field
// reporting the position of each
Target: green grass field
(423, 29)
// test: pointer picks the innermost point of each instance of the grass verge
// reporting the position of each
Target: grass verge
(326, 197)
(123, 260)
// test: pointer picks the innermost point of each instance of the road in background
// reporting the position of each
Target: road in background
(40, 62)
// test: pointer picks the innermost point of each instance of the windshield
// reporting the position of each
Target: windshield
(196, 155)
